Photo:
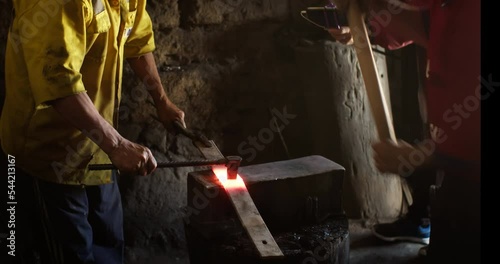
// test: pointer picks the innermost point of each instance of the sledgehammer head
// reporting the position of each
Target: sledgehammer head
(233, 164)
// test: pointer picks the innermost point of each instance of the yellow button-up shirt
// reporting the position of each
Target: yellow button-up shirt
(58, 48)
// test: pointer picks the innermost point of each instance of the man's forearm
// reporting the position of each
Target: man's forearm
(145, 69)
(79, 110)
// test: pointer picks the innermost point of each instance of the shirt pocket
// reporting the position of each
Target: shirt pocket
(100, 23)
(97, 37)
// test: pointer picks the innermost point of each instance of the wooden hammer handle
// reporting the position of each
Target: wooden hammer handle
(376, 97)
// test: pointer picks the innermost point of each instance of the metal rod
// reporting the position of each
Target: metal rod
(169, 164)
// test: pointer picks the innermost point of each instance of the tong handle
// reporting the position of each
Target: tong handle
(192, 135)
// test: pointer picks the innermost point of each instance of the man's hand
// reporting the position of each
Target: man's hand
(342, 35)
(128, 157)
(145, 68)
(132, 159)
(168, 113)
(395, 158)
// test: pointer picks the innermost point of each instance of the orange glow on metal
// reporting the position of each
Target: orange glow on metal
(221, 173)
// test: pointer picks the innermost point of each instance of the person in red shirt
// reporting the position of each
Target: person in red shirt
(453, 105)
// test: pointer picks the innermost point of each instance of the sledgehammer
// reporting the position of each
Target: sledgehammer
(376, 97)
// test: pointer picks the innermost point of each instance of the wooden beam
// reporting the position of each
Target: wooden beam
(253, 223)
(247, 212)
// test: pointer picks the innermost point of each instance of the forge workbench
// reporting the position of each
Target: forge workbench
(300, 201)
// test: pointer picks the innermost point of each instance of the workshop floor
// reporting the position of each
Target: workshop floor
(364, 249)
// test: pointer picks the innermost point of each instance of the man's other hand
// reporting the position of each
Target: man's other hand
(168, 113)
(132, 159)
(342, 35)
(398, 158)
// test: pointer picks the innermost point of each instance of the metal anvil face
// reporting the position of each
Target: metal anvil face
(288, 194)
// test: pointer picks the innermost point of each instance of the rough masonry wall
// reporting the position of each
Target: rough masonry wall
(220, 61)
(236, 67)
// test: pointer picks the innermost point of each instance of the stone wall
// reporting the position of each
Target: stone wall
(235, 66)
(223, 63)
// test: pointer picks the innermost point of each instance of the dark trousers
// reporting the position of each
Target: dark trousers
(456, 218)
(68, 224)
(420, 182)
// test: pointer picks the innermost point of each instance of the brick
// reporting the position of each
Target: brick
(201, 12)
(164, 13)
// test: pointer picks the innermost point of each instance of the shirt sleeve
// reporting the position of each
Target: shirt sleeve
(54, 49)
(141, 38)
(394, 28)
(386, 38)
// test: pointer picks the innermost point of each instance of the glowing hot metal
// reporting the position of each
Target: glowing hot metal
(221, 173)
(248, 214)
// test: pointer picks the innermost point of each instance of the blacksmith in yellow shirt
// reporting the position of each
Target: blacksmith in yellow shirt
(64, 63)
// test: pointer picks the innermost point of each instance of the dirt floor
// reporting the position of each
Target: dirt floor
(365, 248)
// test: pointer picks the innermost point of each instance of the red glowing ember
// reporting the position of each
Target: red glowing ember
(221, 173)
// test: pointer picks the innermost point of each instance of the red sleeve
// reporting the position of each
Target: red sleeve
(393, 27)
(387, 39)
